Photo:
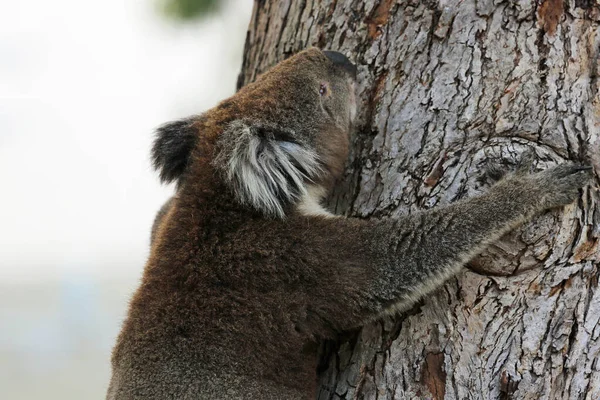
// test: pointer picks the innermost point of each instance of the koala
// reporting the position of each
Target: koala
(159, 217)
(248, 271)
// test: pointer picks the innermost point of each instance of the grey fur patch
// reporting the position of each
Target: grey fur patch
(266, 166)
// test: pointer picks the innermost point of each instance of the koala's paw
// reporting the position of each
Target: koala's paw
(559, 186)
(495, 171)
(526, 163)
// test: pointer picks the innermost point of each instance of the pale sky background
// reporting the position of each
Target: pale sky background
(82, 86)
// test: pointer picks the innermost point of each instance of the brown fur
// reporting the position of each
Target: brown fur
(212, 295)
(232, 302)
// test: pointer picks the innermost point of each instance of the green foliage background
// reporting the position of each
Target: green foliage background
(188, 10)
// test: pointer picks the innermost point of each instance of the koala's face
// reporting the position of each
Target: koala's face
(276, 136)
(324, 82)
(313, 90)
(338, 92)
(310, 97)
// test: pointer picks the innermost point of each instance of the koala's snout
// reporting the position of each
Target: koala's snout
(341, 61)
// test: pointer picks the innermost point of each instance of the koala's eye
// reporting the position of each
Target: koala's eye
(323, 89)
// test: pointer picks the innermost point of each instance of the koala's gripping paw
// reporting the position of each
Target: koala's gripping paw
(495, 172)
(558, 186)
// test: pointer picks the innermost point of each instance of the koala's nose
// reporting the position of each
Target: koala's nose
(341, 61)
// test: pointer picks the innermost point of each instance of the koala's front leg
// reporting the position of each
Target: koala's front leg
(432, 246)
(387, 265)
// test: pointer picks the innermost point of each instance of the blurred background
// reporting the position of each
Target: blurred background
(82, 86)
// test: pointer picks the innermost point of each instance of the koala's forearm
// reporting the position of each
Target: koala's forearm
(385, 266)
(430, 247)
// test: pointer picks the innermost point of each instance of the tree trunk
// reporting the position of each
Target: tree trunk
(447, 88)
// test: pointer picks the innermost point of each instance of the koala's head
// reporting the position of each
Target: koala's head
(276, 136)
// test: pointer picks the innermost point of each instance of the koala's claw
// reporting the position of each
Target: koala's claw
(567, 169)
(553, 187)
(560, 185)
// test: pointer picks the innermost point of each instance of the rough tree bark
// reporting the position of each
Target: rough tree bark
(448, 87)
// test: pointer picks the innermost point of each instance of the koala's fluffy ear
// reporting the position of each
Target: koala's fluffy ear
(172, 148)
(266, 166)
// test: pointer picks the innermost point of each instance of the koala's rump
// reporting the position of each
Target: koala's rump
(197, 335)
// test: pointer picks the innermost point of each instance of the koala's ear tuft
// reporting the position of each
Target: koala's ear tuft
(172, 148)
(265, 166)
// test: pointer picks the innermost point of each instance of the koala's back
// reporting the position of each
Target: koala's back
(209, 322)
